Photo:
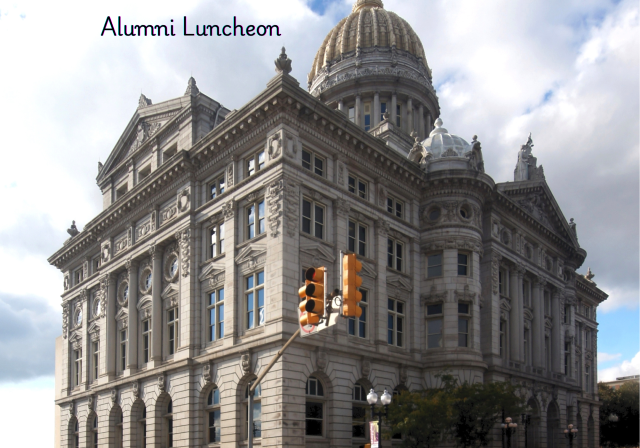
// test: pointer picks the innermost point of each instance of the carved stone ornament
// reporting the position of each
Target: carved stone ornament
(435, 297)
(135, 389)
(66, 281)
(184, 237)
(275, 194)
(90, 403)
(65, 319)
(322, 360)
(382, 195)
(183, 200)
(465, 296)
(161, 383)
(245, 362)
(206, 373)
(71, 408)
(403, 375)
(228, 209)
(291, 207)
(283, 63)
(274, 146)
(229, 175)
(366, 368)
(382, 227)
(114, 395)
(342, 207)
(341, 170)
(495, 273)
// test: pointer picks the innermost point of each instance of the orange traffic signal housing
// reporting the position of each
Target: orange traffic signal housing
(351, 281)
(312, 295)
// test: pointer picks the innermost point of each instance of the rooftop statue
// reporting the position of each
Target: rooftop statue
(283, 63)
(73, 230)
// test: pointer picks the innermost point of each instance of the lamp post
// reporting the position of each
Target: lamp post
(613, 418)
(385, 399)
(571, 433)
(508, 428)
(526, 421)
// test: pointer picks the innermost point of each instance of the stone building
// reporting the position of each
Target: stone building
(181, 290)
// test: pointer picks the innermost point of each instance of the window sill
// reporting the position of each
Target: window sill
(252, 240)
(395, 271)
(212, 259)
(253, 331)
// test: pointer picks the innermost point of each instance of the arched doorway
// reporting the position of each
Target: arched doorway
(578, 442)
(533, 429)
(553, 425)
(590, 431)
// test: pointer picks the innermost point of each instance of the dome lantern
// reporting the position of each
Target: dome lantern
(360, 4)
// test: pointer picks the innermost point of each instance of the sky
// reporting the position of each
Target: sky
(568, 72)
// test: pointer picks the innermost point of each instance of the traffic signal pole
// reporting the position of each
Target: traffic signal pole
(257, 382)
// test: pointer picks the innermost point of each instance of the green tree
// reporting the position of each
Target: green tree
(622, 402)
(421, 418)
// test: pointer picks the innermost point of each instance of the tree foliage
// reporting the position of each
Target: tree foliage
(622, 402)
(461, 413)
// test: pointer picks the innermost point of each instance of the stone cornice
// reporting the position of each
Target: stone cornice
(587, 287)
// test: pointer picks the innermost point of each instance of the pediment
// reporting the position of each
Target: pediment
(528, 315)
(122, 314)
(505, 304)
(368, 270)
(535, 198)
(93, 328)
(144, 301)
(251, 253)
(211, 270)
(75, 338)
(170, 290)
(317, 251)
(399, 282)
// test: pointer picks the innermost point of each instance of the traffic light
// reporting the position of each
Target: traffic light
(312, 296)
(351, 281)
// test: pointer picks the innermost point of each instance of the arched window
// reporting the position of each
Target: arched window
(120, 431)
(76, 435)
(212, 414)
(359, 412)
(314, 409)
(169, 424)
(94, 431)
(257, 412)
(142, 429)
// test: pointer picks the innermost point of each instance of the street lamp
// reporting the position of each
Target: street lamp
(613, 418)
(571, 433)
(526, 421)
(508, 428)
(385, 399)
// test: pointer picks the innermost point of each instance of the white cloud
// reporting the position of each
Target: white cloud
(606, 357)
(625, 368)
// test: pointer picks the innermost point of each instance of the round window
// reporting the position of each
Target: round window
(173, 268)
(465, 212)
(96, 307)
(434, 214)
(147, 281)
(125, 293)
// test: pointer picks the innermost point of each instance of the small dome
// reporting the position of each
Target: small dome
(368, 26)
(442, 144)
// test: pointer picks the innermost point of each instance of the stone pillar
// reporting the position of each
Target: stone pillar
(538, 323)
(111, 341)
(394, 107)
(132, 356)
(156, 303)
(358, 111)
(557, 350)
(429, 124)
(404, 122)
(421, 129)
(380, 310)
(409, 120)
(85, 375)
(515, 316)
(376, 109)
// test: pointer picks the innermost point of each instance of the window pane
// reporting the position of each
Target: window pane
(434, 309)
(463, 308)
(434, 341)
(390, 205)
(306, 216)
(222, 184)
(260, 298)
(462, 340)
(313, 410)
(462, 270)
(250, 282)
(352, 236)
(362, 237)
(306, 160)
(399, 209)
(319, 166)
(391, 304)
(400, 307)
(319, 222)
(362, 189)
(250, 302)
(221, 295)
(434, 271)
(260, 278)
(250, 167)
(261, 160)
(352, 326)
(352, 184)
(212, 298)
(463, 326)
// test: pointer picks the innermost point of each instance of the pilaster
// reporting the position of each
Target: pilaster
(132, 355)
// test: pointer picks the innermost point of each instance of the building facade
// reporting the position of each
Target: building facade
(181, 290)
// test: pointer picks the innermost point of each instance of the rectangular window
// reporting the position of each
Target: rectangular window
(503, 338)
(434, 325)
(77, 276)
(96, 359)
(463, 324)
(255, 221)
(121, 191)
(215, 310)
(357, 186)
(587, 373)
(255, 163)
(463, 264)
(394, 254)
(216, 188)
(567, 357)
(143, 173)
(367, 116)
(123, 350)
(313, 218)
(395, 207)
(216, 240)
(77, 361)
(501, 282)
(526, 347)
(358, 325)
(95, 265)
(312, 162)
(254, 299)
(352, 114)
(434, 265)
(383, 109)
(357, 238)
(395, 322)
(146, 340)
(172, 324)
(398, 116)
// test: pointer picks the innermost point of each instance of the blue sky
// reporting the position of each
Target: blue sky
(566, 71)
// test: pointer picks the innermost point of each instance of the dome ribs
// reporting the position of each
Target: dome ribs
(390, 29)
(374, 20)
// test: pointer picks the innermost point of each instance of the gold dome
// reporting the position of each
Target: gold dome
(369, 25)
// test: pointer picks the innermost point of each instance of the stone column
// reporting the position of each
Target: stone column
(394, 108)
(409, 120)
(156, 303)
(515, 316)
(358, 111)
(557, 350)
(132, 356)
(429, 124)
(111, 342)
(340, 106)
(538, 323)
(421, 130)
(379, 313)
(376, 109)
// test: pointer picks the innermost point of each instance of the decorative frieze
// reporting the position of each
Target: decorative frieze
(341, 207)
(168, 214)
(183, 237)
(291, 207)
(433, 296)
(275, 194)
(228, 209)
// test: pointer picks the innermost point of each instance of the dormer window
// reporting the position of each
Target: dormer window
(121, 191)
(144, 172)
(167, 154)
